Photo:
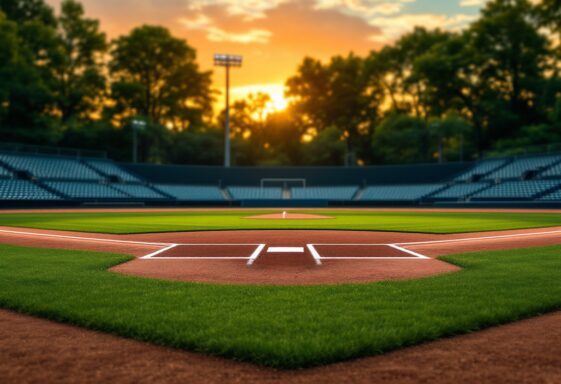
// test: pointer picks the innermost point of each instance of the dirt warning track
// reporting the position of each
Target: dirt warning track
(284, 257)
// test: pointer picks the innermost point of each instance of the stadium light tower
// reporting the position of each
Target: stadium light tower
(227, 61)
(137, 124)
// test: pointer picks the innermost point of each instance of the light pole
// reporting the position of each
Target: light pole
(227, 61)
(136, 125)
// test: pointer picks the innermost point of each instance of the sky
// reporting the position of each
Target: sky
(273, 36)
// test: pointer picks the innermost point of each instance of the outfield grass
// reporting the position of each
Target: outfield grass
(138, 222)
(281, 326)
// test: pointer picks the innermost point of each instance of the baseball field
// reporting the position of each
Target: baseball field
(302, 289)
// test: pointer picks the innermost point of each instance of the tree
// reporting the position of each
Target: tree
(327, 148)
(156, 75)
(22, 11)
(79, 79)
(336, 94)
(401, 139)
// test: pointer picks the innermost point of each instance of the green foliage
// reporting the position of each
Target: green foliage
(327, 148)
(281, 326)
(401, 138)
(155, 75)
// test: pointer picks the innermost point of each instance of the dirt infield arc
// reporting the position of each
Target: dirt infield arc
(283, 256)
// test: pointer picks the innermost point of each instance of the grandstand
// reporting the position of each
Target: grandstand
(71, 180)
(519, 167)
(400, 192)
(322, 193)
(191, 192)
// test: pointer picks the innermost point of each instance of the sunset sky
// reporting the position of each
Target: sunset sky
(275, 35)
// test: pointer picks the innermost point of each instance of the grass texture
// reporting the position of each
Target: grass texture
(281, 326)
(139, 222)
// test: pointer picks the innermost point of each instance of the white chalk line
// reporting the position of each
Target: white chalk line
(311, 247)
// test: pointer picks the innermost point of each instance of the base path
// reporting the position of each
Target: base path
(284, 257)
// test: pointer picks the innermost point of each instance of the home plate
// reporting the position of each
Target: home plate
(285, 250)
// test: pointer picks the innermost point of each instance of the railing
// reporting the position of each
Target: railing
(48, 150)
(547, 149)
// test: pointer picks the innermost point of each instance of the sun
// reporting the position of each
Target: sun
(275, 91)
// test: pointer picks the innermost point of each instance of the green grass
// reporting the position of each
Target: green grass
(137, 222)
(281, 326)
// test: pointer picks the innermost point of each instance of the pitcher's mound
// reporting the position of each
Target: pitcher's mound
(289, 216)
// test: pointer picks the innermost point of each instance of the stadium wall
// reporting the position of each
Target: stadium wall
(315, 176)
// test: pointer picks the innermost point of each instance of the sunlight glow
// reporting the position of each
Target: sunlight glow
(275, 91)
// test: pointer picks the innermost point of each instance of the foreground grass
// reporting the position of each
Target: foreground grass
(279, 326)
(137, 222)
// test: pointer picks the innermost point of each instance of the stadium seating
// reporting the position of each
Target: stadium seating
(50, 167)
(517, 189)
(255, 193)
(138, 191)
(191, 192)
(518, 167)
(459, 191)
(482, 168)
(23, 190)
(553, 196)
(85, 190)
(324, 193)
(399, 192)
(554, 171)
(4, 172)
(108, 168)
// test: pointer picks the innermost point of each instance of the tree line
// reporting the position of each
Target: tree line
(432, 95)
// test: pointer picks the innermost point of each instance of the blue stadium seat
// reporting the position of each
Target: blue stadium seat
(399, 192)
(482, 168)
(459, 191)
(50, 167)
(138, 191)
(85, 190)
(11, 189)
(255, 193)
(517, 189)
(109, 168)
(518, 167)
(554, 171)
(553, 196)
(192, 192)
(4, 172)
(324, 193)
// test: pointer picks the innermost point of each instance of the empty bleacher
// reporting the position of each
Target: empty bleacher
(322, 193)
(553, 196)
(138, 191)
(554, 171)
(520, 166)
(50, 167)
(399, 192)
(460, 191)
(11, 189)
(191, 192)
(255, 193)
(86, 190)
(482, 168)
(4, 172)
(517, 189)
(109, 168)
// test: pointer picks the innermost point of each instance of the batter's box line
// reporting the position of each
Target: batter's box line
(318, 258)
(251, 259)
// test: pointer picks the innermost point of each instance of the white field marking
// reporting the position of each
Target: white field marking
(84, 238)
(480, 238)
(315, 254)
(255, 254)
(150, 255)
(285, 250)
(415, 255)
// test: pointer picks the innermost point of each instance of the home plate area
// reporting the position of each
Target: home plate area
(302, 254)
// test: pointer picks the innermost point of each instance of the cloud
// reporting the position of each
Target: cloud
(393, 27)
(472, 3)
(217, 34)
(249, 9)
